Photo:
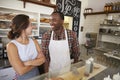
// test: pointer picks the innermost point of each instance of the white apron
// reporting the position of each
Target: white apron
(59, 56)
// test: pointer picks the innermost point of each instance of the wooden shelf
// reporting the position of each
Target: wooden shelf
(39, 3)
(112, 56)
(113, 25)
(109, 34)
(102, 49)
(101, 12)
(3, 30)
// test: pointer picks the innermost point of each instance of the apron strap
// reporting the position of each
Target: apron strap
(51, 36)
(66, 36)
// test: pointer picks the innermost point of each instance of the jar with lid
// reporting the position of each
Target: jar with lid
(105, 7)
(117, 6)
(111, 6)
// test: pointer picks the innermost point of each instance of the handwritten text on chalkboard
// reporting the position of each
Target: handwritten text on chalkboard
(71, 8)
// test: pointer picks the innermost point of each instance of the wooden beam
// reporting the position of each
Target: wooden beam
(39, 3)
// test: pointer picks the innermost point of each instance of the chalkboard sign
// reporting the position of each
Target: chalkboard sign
(70, 8)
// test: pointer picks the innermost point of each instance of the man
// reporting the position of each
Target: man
(58, 44)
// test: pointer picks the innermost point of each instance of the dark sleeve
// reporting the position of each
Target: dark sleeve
(75, 48)
(45, 43)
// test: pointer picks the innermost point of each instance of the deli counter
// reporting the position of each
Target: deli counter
(78, 72)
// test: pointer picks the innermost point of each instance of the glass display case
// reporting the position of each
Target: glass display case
(6, 15)
(77, 72)
(44, 24)
(109, 39)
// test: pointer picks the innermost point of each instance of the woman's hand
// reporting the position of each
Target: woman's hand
(40, 55)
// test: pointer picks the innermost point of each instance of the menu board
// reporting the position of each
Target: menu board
(70, 8)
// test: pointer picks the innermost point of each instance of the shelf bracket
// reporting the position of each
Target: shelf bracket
(24, 4)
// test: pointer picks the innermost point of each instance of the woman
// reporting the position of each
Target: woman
(23, 52)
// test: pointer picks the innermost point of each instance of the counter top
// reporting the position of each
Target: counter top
(112, 56)
(97, 75)
(43, 76)
(4, 63)
(71, 76)
(109, 71)
(112, 63)
(74, 76)
(103, 49)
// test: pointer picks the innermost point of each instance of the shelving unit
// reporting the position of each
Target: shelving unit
(38, 20)
(109, 34)
(112, 56)
(101, 12)
(44, 24)
(111, 25)
(107, 40)
(109, 31)
(105, 50)
(6, 16)
(5, 20)
(3, 32)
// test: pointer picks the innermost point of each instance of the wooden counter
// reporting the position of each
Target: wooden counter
(70, 76)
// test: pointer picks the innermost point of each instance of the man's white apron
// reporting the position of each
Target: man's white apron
(59, 56)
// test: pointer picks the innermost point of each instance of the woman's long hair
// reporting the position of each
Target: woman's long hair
(19, 23)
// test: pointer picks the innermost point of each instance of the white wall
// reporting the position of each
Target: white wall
(84, 4)
(98, 5)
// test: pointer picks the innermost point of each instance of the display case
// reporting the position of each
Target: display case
(108, 41)
(6, 15)
(77, 72)
(44, 24)
(4, 27)
(109, 33)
